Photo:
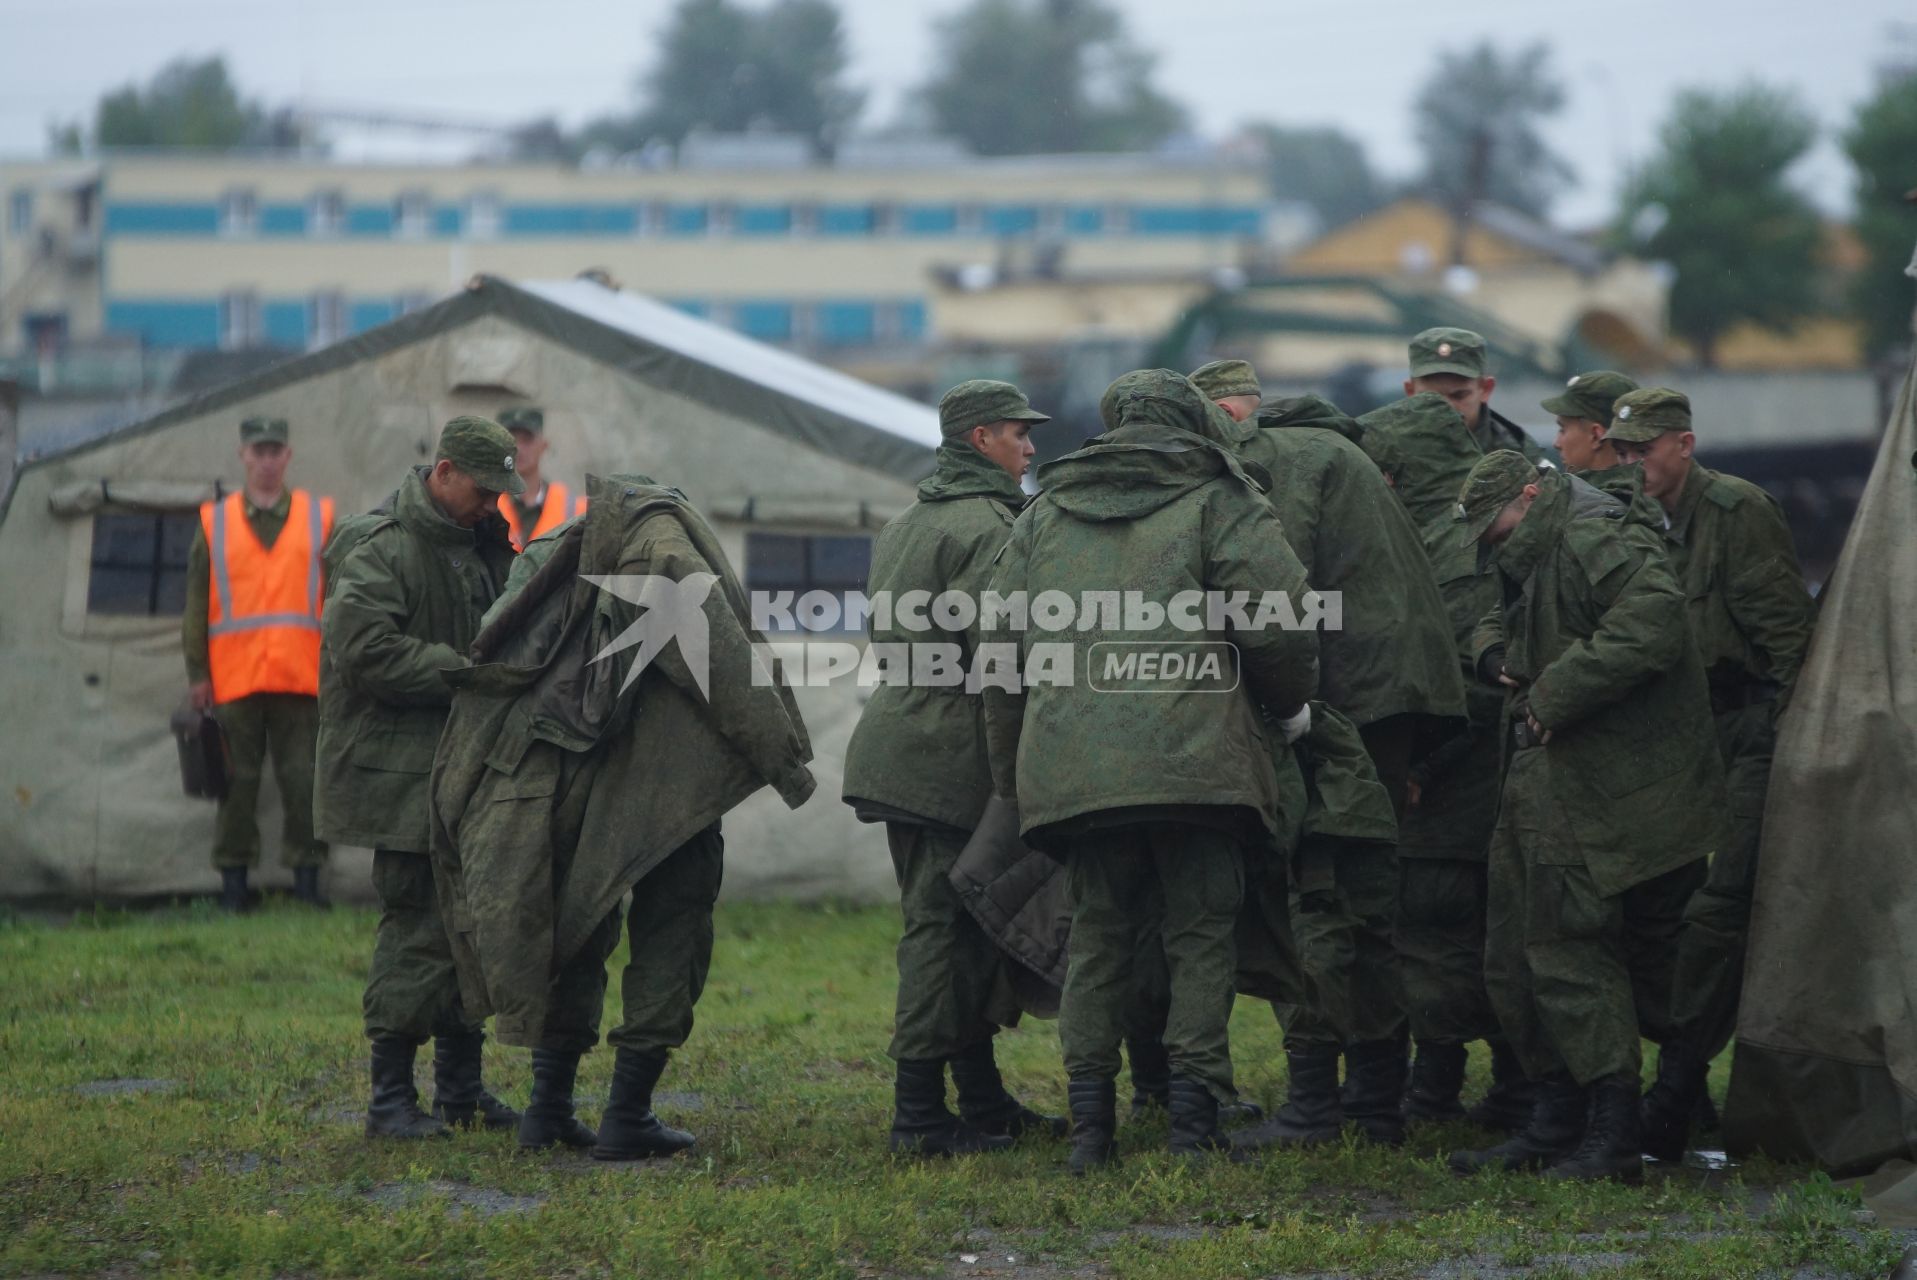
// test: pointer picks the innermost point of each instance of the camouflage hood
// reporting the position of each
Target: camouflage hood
(1162, 440)
(960, 471)
(1309, 411)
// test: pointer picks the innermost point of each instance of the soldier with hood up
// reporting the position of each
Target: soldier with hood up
(917, 763)
(1153, 788)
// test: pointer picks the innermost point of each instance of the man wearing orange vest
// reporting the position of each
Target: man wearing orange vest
(544, 506)
(251, 634)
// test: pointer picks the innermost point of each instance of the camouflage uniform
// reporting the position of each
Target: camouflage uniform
(1751, 618)
(1178, 786)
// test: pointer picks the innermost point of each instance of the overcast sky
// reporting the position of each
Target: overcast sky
(1356, 64)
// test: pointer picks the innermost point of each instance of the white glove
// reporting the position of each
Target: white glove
(1298, 726)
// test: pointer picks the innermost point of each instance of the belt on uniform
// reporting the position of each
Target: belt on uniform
(1735, 697)
(1523, 736)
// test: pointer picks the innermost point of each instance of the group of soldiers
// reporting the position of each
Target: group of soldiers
(1514, 796)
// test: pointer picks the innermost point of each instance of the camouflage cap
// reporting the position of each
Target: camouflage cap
(263, 431)
(1648, 414)
(1457, 351)
(524, 417)
(981, 401)
(1498, 477)
(1590, 396)
(1222, 378)
(485, 451)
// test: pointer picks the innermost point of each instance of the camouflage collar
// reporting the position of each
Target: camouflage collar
(1695, 486)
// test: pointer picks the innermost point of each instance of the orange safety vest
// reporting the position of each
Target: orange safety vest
(553, 512)
(263, 613)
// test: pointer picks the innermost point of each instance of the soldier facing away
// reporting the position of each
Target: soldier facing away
(1751, 618)
(917, 763)
(408, 585)
(1152, 800)
(251, 636)
(1611, 798)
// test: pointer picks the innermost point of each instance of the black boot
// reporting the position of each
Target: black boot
(1555, 1129)
(306, 888)
(1672, 1104)
(394, 1111)
(921, 1123)
(1094, 1122)
(548, 1120)
(984, 1103)
(459, 1098)
(1375, 1072)
(1151, 1076)
(1314, 1112)
(235, 897)
(1194, 1119)
(1612, 1146)
(1507, 1104)
(627, 1128)
(1437, 1079)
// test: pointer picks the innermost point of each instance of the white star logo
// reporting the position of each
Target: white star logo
(671, 610)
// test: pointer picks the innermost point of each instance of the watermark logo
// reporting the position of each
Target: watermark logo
(670, 610)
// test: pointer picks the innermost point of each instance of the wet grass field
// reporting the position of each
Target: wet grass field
(181, 1093)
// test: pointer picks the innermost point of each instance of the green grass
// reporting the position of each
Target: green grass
(251, 1161)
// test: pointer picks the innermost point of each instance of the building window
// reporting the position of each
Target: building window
(239, 212)
(139, 563)
(239, 320)
(796, 562)
(326, 216)
(482, 215)
(20, 210)
(413, 213)
(326, 318)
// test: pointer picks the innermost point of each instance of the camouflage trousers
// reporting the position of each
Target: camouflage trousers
(1354, 992)
(1440, 940)
(1564, 965)
(287, 726)
(413, 989)
(1710, 953)
(669, 928)
(1189, 882)
(952, 981)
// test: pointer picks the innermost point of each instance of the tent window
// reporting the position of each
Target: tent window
(139, 563)
(835, 563)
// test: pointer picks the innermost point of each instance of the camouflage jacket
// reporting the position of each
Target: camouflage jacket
(1395, 653)
(1160, 506)
(920, 750)
(405, 589)
(1751, 614)
(1425, 450)
(1592, 626)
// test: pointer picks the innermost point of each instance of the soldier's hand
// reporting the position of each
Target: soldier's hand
(1505, 679)
(1544, 734)
(1413, 794)
(201, 693)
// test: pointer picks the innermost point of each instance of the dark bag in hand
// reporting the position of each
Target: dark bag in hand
(203, 771)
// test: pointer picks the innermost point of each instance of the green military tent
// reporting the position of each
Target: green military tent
(1826, 1061)
(795, 464)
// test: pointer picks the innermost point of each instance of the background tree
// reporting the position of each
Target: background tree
(1478, 122)
(1882, 143)
(1018, 76)
(1716, 203)
(728, 68)
(1325, 168)
(189, 103)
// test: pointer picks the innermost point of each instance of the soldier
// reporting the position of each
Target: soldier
(1611, 795)
(408, 585)
(540, 835)
(1455, 364)
(1583, 412)
(1391, 669)
(544, 504)
(917, 763)
(1751, 618)
(1152, 801)
(251, 636)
